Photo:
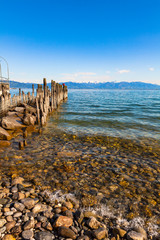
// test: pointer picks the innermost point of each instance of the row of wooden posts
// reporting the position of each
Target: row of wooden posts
(45, 100)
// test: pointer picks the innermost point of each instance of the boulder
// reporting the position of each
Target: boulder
(4, 135)
(19, 109)
(11, 123)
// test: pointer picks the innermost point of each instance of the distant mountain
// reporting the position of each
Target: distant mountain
(106, 85)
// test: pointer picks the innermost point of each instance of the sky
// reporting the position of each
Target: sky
(81, 40)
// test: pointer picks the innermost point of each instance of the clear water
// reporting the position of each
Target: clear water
(127, 114)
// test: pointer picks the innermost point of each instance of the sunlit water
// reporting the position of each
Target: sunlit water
(127, 114)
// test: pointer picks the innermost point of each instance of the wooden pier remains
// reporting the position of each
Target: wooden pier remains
(36, 106)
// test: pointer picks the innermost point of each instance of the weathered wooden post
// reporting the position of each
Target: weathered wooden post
(38, 111)
(45, 87)
(19, 95)
(32, 91)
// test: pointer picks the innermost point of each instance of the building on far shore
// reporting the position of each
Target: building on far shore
(4, 80)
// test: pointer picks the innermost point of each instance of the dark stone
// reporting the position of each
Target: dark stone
(43, 236)
(66, 232)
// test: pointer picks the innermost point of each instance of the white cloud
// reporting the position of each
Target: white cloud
(151, 69)
(108, 72)
(123, 71)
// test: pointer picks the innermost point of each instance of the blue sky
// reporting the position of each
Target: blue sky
(81, 40)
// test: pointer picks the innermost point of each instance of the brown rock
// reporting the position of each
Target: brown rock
(4, 143)
(28, 234)
(19, 206)
(119, 231)
(100, 233)
(8, 237)
(93, 223)
(37, 208)
(19, 109)
(28, 202)
(29, 224)
(63, 221)
(17, 180)
(4, 135)
(11, 123)
(10, 225)
(66, 232)
(132, 235)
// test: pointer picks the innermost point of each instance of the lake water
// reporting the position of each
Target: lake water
(126, 114)
(103, 146)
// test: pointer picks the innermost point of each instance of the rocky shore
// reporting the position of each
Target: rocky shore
(28, 212)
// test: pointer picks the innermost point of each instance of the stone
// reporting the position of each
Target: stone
(19, 109)
(27, 234)
(132, 235)
(142, 231)
(66, 232)
(63, 221)
(29, 224)
(93, 223)
(10, 225)
(11, 123)
(9, 213)
(36, 208)
(9, 218)
(17, 215)
(8, 237)
(4, 135)
(2, 222)
(100, 233)
(19, 206)
(3, 229)
(17, 180)
(68, 205)
(28, 202)
(43, 236)
(119, 231)
(4, 143)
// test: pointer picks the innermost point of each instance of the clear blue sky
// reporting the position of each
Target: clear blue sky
(81, 40)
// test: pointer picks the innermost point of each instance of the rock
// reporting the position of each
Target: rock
(2, 222)
(9, 213)
(29, 224)
(4, 143)
(100, 233)
(93, 223)
(66, 232)
(11, 123)
(43, 236)
(63, 221)
(19, 109)
(132, 235)
(4, 135)
(19, 206)
(17, 180)
(10, 225)
(142, 231)
(3, 229)
(3, 201)
(68, 205)
(27, 234)
(119, 231)
(36, 208)
(28, 202)
(17, 215)
(8, 237)
(14, 189)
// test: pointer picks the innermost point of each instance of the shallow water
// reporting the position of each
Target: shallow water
(104, 165)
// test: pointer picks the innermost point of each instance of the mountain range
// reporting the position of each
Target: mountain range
(105, 85)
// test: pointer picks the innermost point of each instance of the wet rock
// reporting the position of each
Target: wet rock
(4, 135)
(10, 225)
(142, 231)
(66, 232)
(119, 231)
(93, 223)
(63, 221)
(17, 180)
(43, 235)
(100, 233)
(8, 237)
(132, 235)
(2, 222)
(28, 234)
(19, 206)
(29, 224)
(37, 208)
(11, 123)
(28, 202)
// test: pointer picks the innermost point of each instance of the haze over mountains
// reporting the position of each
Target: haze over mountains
(106, 85)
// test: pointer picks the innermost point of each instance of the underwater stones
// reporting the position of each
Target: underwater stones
(66, 232)
(63, 221)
